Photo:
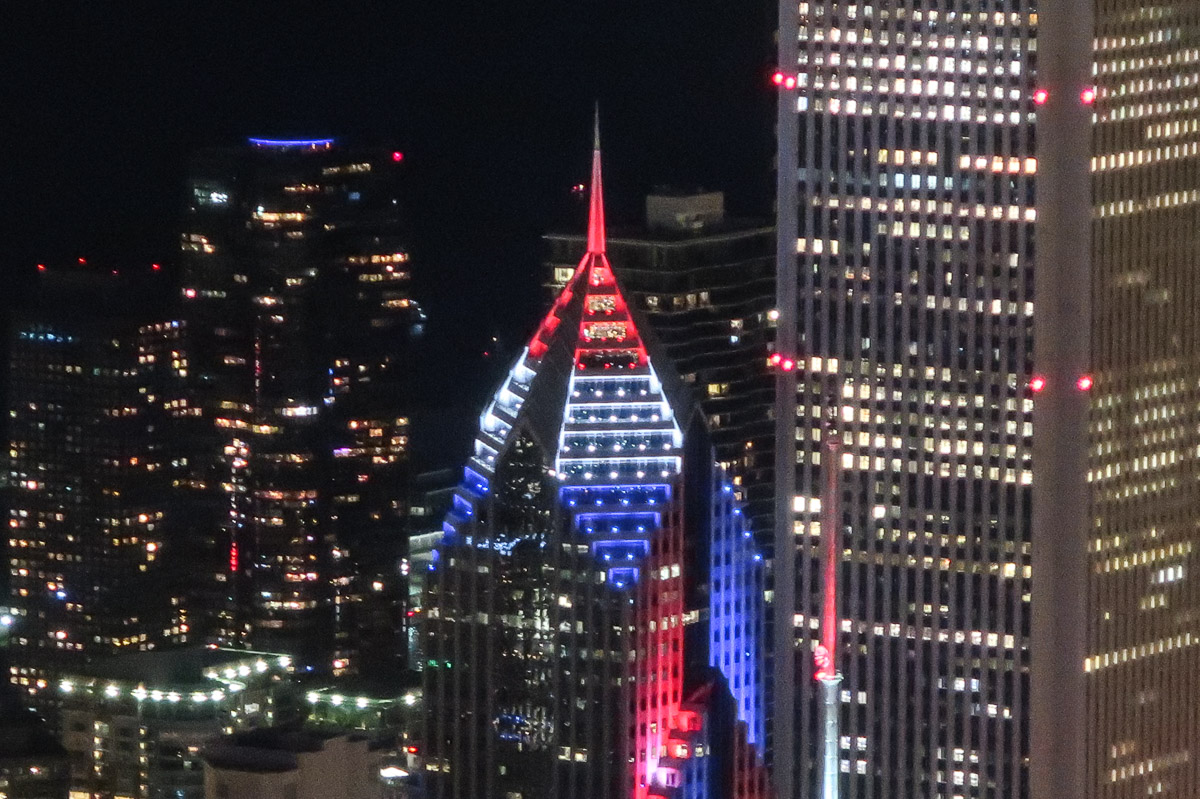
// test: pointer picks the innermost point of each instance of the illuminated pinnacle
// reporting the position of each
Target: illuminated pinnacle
(595, 239)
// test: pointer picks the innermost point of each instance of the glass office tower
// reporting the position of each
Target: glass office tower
(1144, 664)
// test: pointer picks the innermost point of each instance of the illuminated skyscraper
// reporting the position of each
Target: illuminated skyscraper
(706, 285)
(594, 610)
(907, 150)
(296, 286)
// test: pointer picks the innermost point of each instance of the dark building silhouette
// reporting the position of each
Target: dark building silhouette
(33, 764)
(106, 545)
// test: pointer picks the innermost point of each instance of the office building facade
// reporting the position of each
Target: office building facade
(593, 612)
(907, 148)
(103, 532)
(296, 287)
(907, 195)
(1145, 163)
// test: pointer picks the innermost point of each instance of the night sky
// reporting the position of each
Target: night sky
(491, 103)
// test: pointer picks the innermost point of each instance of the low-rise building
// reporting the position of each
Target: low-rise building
(33, 765)
(134, 726)
(278, 764)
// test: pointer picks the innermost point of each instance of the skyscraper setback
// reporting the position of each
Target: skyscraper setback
(907, 150)
(594, 610)
(296, 290)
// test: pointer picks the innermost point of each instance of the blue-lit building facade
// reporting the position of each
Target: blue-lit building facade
(594, 612)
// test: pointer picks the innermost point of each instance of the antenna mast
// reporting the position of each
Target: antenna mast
(826, 654)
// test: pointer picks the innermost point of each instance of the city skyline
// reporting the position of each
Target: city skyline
(114, 103)
(262, 274)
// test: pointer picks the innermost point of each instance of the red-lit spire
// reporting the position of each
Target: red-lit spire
(596, 203)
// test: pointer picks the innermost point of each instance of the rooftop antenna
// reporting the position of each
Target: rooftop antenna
(825, 656)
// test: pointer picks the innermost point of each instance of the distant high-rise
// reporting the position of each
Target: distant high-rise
(908, 166)
(706, 284)
(103, 534)
(593, 614)
(296, 286)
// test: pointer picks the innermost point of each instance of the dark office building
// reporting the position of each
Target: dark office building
(705, 283)
(105, 532)
(296, 286)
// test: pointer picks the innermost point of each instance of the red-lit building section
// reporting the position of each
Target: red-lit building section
(707, 752)
(610, 358)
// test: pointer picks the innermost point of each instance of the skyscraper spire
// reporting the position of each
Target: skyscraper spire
(595, 240)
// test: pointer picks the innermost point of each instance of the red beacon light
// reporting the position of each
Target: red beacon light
(778, 361)
(1037, 384)
(1084, 383)
(1040, 96)
(397, 156)
(784, 81)
(156, 267)
(1088, 95)
(41, 267)
(777, 78)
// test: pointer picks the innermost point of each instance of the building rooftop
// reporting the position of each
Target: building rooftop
(23, 734)
(270, 750)
(177, 666)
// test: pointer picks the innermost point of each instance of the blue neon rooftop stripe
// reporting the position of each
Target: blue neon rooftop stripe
(291, 142)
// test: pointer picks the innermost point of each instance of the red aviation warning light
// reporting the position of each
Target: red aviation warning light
(777, 361)
(1038, 384)
(1084, 383)
(1040, 96)
(1088, 95)
(397, 156)
(784, 81)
